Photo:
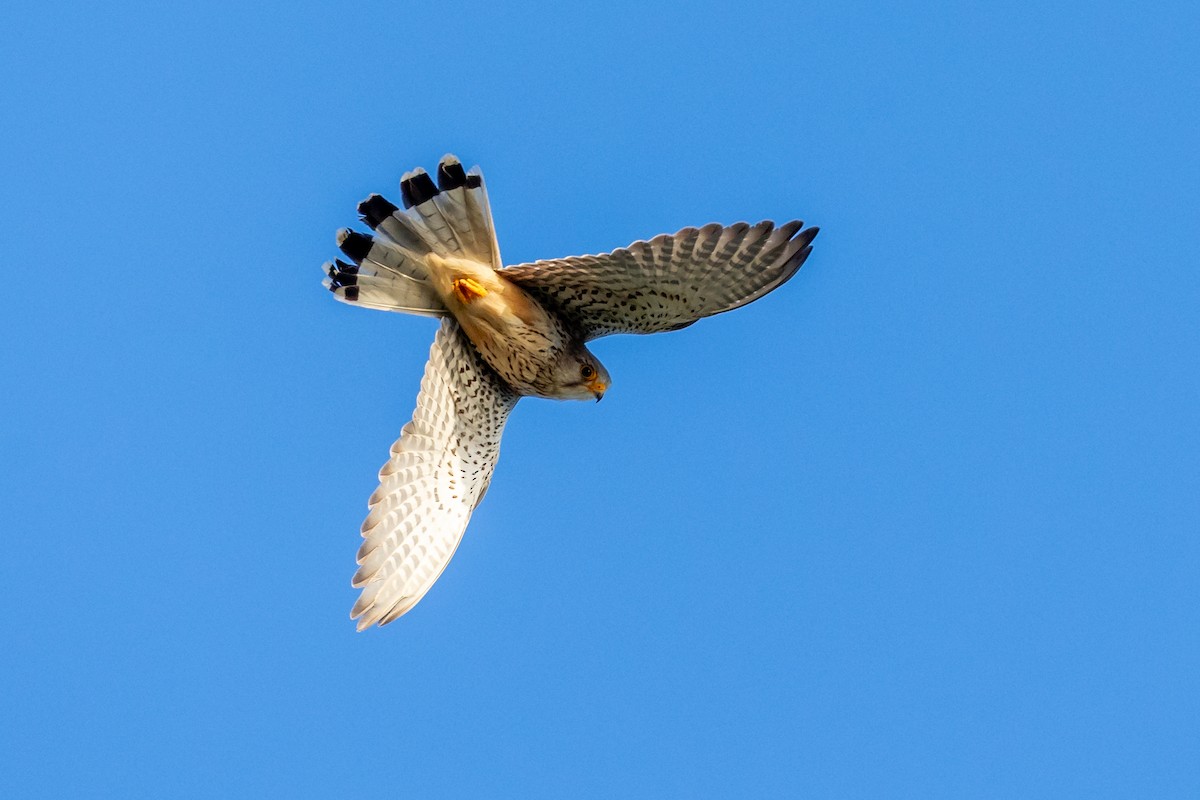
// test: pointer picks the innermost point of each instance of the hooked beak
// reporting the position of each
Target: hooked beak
(597, 387)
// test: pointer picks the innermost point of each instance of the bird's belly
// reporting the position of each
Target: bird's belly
(518, 338)
(520, 342)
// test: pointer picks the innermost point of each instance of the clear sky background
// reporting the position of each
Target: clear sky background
(922, 523)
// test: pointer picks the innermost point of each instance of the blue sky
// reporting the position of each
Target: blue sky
(923, 522)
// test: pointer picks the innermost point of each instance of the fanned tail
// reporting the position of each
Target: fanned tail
(449, 218)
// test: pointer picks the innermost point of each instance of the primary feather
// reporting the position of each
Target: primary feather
(670, 281)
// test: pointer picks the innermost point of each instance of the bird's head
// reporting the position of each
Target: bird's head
(579, 375)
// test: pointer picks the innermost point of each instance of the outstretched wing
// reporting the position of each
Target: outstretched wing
(437, 474)
(670, 281)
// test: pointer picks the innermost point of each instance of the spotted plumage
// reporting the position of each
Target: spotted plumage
(508, 332)
(436, 475)
(670, 281)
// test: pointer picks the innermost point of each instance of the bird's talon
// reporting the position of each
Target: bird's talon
(468, 290)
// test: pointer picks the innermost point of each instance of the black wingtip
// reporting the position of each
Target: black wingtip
(375, 209)
(474, 181)
(450, 174)
(797, 260)
(417, 188)
(354, 244)
(807, 235)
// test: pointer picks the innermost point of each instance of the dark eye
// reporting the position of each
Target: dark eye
(587, 372)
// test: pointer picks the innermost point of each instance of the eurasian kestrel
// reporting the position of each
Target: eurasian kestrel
(508, 332)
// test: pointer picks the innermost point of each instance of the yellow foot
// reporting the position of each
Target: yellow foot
(468, 290)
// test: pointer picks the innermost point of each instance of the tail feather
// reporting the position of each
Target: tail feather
(360, 286)
(416, 187)
(418, 191)
(396, 226)
(384, 255)
(454, 200)
(479, 214)
(465, 210)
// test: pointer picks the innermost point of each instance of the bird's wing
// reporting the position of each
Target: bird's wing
(438, 472)
(670, 281)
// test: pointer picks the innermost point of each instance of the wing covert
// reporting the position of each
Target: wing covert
(438, 471)
(670, 281)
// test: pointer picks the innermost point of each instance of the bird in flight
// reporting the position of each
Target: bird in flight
(508, 332)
